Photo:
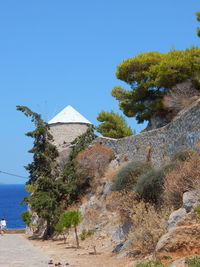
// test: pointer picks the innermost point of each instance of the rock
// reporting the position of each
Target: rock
(178, 263)
(121, 231)
(108, 188)
(128, 244)
(175, 217)
(182, 240)
(129, 253)
(117, 248)
(191, 199)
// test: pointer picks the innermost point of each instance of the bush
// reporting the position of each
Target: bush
(152, 263)
(185, 177)
(150, 185)
(180, 96)
(93, 161)
(183, 155)
(26, 217)
(127, 175)
(149, 224)
(86, 233)
(193, 262)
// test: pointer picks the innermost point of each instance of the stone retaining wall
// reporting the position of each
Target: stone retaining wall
(158, 145)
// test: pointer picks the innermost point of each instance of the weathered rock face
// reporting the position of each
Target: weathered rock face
(182, 238)
(158, 145)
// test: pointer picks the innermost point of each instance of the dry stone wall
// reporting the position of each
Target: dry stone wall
(160, 144)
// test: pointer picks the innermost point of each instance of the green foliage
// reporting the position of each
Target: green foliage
(26, 217)
(193, 262)
(150, 185)
(86, 233)
(197, 209)
(30, 188)
(69, 219)
(51, 194)
(113, 125)
(48, 192)
(44, 152)
(69, 176)
(150, 75)
(152, 263)
(127, 176)
(183, 155)
(198, 18)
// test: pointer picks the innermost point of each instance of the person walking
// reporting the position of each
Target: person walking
(3, 226)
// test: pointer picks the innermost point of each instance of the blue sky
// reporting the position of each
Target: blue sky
(59, 53)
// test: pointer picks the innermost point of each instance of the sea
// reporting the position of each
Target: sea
(10, 197)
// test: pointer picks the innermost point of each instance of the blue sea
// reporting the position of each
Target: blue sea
(10, 207)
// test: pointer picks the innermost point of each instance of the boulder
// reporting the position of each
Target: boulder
(178, 263)
(191, 199)
(175, 217)
(182, 240)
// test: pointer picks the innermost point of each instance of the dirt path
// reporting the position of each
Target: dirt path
(82, 257)
(16, 251)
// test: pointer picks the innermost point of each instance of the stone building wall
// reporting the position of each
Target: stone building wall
(64, 133)
(160, 144)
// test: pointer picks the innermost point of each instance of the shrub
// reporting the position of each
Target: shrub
(183, 155)
(93, 161)
(193, 262)
(185, 177)
(86, 233)
(150, 185)
(61, 229)
(152, 263)
(69, 219)
(180, 96)
(26, 217)
(127, 175)
(149, 224)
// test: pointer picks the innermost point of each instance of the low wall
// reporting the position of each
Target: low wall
(158, 145)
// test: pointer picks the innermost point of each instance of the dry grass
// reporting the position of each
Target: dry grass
(185, 177)
(123, 202)
(149, 225)
(180, 97)
(93, 161)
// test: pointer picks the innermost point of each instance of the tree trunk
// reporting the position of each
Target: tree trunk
(77, 241)
(48, 231)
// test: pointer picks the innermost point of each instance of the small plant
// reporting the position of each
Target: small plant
(152, 263)
(183, 155)
(93, 161)
(86, 233)
(149, 224)
(62, 229)
(69, 219)
(127, 176)
(193, 262)
(197, 209)
(150, 185)
(185, 177)
(26, 217)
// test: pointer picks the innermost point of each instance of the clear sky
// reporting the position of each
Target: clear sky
(59, 53)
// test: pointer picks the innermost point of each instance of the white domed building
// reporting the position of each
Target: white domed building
(65, 127)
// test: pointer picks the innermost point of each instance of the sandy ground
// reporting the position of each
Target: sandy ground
(68, 254)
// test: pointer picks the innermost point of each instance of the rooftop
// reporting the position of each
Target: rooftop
(69, 115)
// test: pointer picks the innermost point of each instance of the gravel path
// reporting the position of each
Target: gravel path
(16, 251)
